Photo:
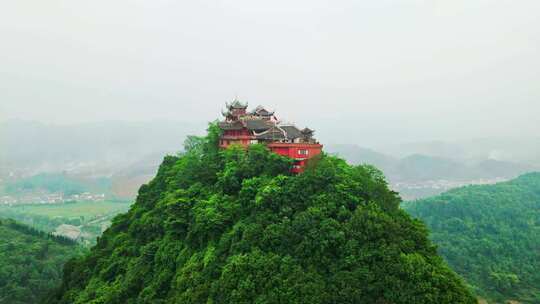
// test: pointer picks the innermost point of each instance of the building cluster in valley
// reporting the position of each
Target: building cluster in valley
(411, 190)
(49, 198)
(261, 126)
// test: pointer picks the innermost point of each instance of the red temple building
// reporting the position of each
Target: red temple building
(261, 126)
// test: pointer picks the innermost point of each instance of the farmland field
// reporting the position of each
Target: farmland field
(72, 209)
(81, 220)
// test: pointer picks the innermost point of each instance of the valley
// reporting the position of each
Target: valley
(80, 203)
(270, 152)
(82, 221)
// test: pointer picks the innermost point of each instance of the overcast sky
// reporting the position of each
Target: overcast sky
(373, 71)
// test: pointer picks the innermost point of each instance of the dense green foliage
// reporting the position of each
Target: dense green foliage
(490, 235)
(234, 226)
(31, 262)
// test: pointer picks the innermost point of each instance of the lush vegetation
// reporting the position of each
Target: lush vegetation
(234, 226)
(31, 262)
(90, 217)
(490, 235)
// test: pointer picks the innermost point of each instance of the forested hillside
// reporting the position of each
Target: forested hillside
(490, 235)
(234, 226)
(30, 262)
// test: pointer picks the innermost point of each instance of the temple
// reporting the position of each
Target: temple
(261, 126)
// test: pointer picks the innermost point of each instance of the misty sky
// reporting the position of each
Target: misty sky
(371, 71)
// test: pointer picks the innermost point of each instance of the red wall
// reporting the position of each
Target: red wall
(292, 151)
(236, 132)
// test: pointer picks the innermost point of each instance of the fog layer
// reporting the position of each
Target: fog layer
(369, 72)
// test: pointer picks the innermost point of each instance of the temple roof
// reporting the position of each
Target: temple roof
(274, 134)
(261, 111)
(258, 124)
(277, 132)
(236, 104)
(292, 131)
(307, 131)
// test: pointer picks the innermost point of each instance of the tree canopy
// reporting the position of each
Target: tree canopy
(490, 235)
(234, 226)
(31, 262)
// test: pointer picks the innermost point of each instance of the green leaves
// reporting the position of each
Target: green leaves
(489, 234)
(234, 226)
(31, 262)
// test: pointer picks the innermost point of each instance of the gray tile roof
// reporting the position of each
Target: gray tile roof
(262, 127)
(258, 124)
(261, 111)
(272, 134)
(292, 132)
(307, 131)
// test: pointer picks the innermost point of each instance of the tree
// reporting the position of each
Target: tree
(234, 226)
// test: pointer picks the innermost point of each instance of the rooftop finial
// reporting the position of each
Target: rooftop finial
(236, 104)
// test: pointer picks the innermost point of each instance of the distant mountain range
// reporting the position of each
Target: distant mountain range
(420, 167)
(522, 150)
(100, 148)
(129, 153)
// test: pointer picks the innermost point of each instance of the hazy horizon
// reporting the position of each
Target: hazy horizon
(198, 128)
(372, 73)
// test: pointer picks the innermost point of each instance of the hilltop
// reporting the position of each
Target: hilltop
(235, 226)
(490, 235)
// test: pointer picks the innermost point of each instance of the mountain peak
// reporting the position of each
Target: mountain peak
(235, 226)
